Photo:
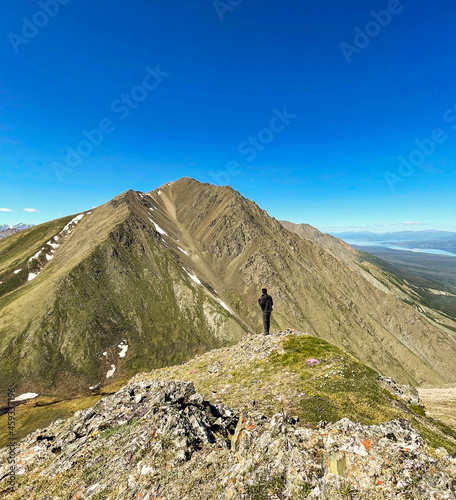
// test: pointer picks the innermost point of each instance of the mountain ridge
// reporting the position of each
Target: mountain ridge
(177, 271)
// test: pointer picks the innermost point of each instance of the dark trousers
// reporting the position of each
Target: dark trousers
(266, 321)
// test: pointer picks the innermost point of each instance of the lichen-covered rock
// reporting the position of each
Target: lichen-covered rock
(406, 393)
(161, 439)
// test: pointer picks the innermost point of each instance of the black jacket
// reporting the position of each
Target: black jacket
(265, 302)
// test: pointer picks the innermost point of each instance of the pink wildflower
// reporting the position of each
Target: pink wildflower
(312, 361)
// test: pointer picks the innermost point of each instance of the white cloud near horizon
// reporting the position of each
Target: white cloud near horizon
(409, 224)
(5, 210)
(30, 210)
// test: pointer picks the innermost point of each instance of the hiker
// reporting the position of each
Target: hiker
(265, 302)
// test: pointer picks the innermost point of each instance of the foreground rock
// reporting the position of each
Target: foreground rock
(161, 439)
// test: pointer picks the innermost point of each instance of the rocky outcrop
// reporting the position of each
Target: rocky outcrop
(163, 440)
(406, 393)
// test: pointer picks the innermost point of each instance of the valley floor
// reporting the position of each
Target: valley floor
(440, 404)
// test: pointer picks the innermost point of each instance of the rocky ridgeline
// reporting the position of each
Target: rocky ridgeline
(162, 440)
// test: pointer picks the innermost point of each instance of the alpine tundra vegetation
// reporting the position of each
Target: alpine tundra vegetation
(252, 421)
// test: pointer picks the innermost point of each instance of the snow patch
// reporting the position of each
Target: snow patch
(32, 276)
(74, 220)
(25, 396)
(158, 228)
(56, 238)
(53, 245)
(194, 278)
(182, 250)
(223, 305)
(110, 372)
(49, 257)
(17, 271)
(159, 192)
(123, 349)
(35, 256)
(105, 353)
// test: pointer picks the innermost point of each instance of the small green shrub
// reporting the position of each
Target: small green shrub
(418, 410)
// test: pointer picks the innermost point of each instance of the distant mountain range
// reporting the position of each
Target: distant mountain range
(7, 230)
(399, 236)
(20, 226)
(425, 240)
(152, 279)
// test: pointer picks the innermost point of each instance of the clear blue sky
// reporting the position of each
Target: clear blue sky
(291, 103)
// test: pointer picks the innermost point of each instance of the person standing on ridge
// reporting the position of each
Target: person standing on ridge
(265, 302)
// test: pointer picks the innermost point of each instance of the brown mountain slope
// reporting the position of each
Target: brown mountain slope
(334, 245)
(239, 246)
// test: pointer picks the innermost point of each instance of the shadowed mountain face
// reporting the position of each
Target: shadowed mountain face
(149, 280)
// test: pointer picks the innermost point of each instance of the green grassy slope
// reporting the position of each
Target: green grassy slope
(122, 286)
(271, 374)
(16, 250)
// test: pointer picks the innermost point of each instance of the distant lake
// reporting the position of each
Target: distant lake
(434, 251)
